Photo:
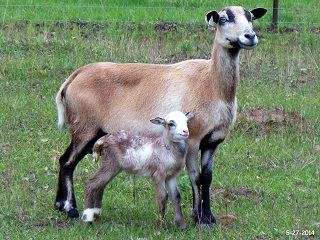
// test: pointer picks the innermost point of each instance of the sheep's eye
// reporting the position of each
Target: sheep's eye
(171, 124)
(223, 20)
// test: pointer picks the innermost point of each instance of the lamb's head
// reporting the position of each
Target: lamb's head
(234, 27)
(176, 125)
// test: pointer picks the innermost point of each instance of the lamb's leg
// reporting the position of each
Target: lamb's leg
(174, 193)
(94, 192)
(162, 198)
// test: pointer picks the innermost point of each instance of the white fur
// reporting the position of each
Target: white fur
(67, 206)
(90, 214)
(61, 115)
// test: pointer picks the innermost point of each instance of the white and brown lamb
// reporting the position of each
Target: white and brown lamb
(160, 158)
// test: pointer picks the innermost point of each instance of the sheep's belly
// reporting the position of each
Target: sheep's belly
(138, 161)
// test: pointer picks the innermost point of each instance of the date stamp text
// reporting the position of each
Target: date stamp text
(300, 232)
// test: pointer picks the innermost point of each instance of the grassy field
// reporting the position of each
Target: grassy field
(180, 11)
(266, 173)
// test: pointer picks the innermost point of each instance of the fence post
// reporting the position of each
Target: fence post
(274, 24)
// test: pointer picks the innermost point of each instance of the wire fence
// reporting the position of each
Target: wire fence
(148, 13)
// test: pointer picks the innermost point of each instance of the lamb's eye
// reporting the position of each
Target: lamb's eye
(223, 20)
(171, 124)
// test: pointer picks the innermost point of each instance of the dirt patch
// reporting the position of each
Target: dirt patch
(233, 193)
(266, 120)
(61, 225)
(162, 27)
(267, 116)
(298, 30)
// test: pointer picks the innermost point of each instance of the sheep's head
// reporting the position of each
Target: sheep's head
(234, 27)
(176, 124)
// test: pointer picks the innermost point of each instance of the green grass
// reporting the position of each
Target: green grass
(267, 174)
(181, 11)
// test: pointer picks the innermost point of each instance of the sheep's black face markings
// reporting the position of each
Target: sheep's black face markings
(231, 16)
(234, 44)
(248, 15)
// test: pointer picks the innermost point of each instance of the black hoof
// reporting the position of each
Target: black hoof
(73, 214)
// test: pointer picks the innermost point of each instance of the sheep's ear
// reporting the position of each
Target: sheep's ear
(258, 13)
(158, 121)
(189, 115)
(212, 17)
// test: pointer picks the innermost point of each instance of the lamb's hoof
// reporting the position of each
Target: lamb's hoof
(73, 214)
(162, 225)
(91, 214)
(181, 224)
(85, 220)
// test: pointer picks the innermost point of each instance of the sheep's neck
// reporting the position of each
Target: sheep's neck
(178, 148)
(225, 65)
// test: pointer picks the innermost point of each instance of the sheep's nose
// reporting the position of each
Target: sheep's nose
(250, 36)
(185, 132)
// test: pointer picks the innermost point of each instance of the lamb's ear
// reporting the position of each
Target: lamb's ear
(258, 13)
(158, 121)
(212, 17)
(189, 115)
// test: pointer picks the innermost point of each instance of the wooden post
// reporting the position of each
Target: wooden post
(275, 15)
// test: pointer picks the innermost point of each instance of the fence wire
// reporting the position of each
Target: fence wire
(43, 13)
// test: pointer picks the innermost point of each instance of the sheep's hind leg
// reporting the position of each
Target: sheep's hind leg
(65, 198)
(61, 190)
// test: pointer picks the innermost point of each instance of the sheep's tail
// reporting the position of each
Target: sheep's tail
(96, 151)
(60, 105)
(60, 100)
(61, 110)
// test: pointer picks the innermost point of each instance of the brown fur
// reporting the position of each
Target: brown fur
(113, 96)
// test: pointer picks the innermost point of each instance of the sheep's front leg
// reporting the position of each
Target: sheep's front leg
(208, 151)
(162, 198)
(174, 193)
